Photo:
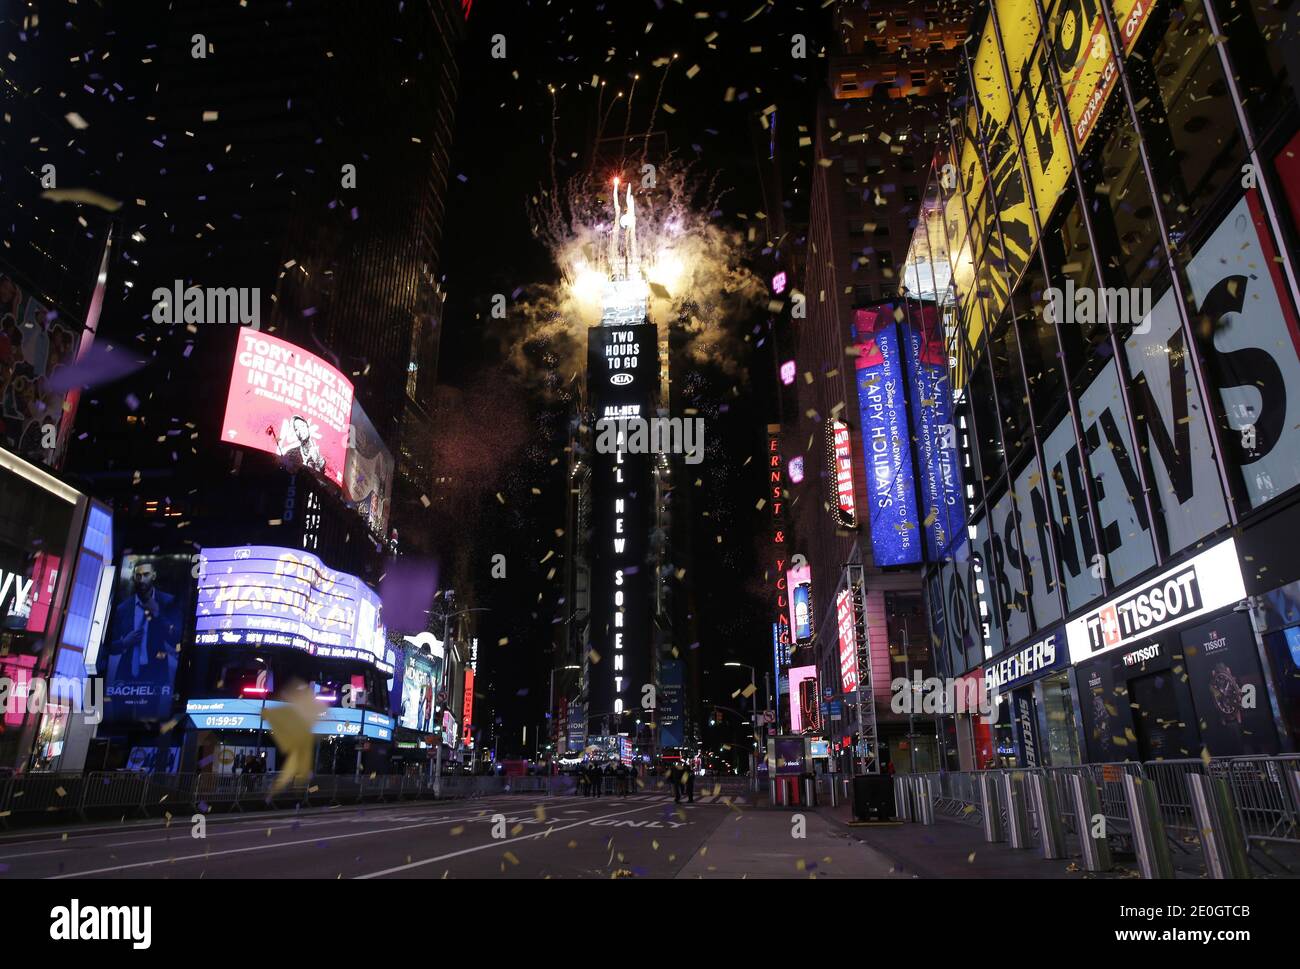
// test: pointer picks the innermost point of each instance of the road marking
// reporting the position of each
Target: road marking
(494, 844)
(236, 851)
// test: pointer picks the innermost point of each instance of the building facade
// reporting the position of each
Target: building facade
(1109, 236)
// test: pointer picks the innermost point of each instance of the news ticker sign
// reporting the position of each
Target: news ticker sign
(1200, 585)
(243, 714)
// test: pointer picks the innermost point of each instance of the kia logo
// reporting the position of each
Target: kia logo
(620, 379)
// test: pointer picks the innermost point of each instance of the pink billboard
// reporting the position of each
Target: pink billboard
(848, 640)
(803, 699)
(286, 401)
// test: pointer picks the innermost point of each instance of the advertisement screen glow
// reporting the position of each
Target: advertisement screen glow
(286, 401)
(882, 393)
(264, 595)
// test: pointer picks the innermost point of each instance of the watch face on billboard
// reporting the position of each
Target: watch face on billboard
(288, 402)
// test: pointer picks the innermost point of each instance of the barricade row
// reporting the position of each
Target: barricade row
(1225, 810)
(144, 794)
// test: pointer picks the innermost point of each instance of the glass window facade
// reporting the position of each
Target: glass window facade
(1126, 347)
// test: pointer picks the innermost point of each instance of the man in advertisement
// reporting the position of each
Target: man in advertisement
(297, 448)
(142, 647)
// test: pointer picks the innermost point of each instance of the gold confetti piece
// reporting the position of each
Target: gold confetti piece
(503, 640)
(572, 844)
(971, 858)
(510, 857)
(458, 830)
(61, 792)
(83, 195)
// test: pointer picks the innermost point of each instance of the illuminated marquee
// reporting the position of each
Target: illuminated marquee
(839, 459)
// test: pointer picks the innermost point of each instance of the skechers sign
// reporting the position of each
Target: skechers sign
(882, 394)
(1207, 582)
(1026, 663)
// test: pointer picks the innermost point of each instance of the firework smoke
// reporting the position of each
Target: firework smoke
(693, 269)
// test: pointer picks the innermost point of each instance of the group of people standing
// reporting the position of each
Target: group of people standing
(595, 779)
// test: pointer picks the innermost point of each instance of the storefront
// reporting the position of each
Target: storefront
(1171, 669)
(1032, 687)
(55, 551)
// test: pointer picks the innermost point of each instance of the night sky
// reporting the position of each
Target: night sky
(501, 156)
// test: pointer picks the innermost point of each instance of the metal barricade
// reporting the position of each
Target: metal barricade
(1017, 810)
(990, 808)
(119, 791)
(1047, 816)
(47, 794)
(1087, 812)
(1173, 794)
(1149, 839)
(1222, 842)
(1267, 805)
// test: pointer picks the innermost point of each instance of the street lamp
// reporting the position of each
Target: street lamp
(753, 706)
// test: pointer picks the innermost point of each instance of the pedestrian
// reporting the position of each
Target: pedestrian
(609, 778)
(679, 783)
(631, 778)
(690, 783)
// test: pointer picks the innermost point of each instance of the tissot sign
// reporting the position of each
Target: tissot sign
(1202, 584)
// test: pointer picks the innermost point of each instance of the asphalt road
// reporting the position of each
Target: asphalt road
(516, 836)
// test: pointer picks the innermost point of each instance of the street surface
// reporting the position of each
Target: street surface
(537, 836)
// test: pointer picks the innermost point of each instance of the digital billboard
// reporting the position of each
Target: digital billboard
(622, 381)
(844, 617)
(803, 686)
(144, 637)
(38, 347)
(421, 680)
(839, 460)
(467, 709)
(669, 715)
(288, 402)
(930, 399)
(265, 595)
(799, 584)
(882, 394)
(368, 474)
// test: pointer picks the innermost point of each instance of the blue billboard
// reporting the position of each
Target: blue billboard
(670, 713)
(930, 399)
(886, 440)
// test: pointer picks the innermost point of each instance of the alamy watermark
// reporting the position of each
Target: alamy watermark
(658, 435)
(942, 695)
(208, 305)
(79, 695)
(1088, 306)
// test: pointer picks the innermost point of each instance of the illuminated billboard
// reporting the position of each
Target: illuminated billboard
(930, 399)
(882, 395)
(421, 680)
(799, 583)
(844, 616)
(622, 382)
(264, 595)
(288, 402)
(803, 697)
(839, 461)
(368, 474)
